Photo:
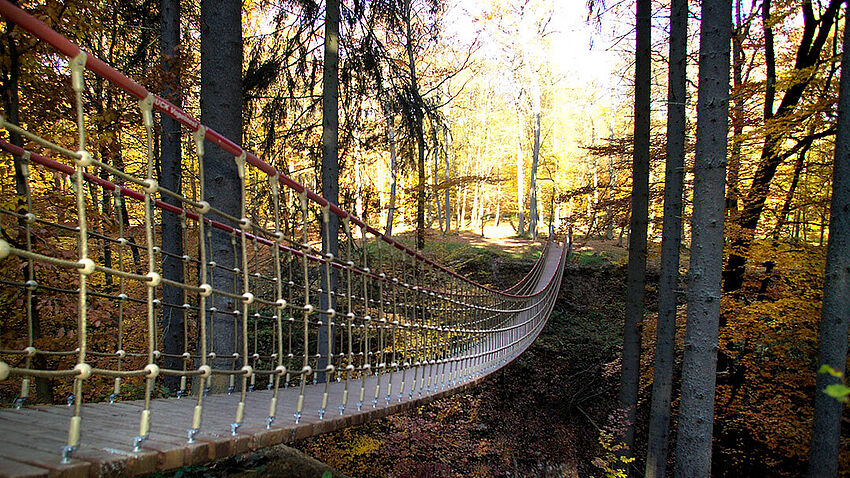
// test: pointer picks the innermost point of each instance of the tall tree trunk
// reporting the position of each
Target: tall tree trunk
(520, 176)
(449, 150)
(358, 178)
(671, 241)
(696, 411)
(171, 177)
(612, 190)
(416, 126)
(473, 215)
(498, 198)
(393, 170)
(636, 274)
(535, 160)
(835, 314)
(221, 110)
(815, 34)
(382, 195)
(737, 111)
(420, 184)
(461, 221)
(434, 127)
(330, 171)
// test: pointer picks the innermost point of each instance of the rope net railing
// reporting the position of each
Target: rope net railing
(258, 302)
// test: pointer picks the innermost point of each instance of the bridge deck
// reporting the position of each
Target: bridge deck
(31, 438)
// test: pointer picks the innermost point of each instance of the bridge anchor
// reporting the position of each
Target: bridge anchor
(137, 443)
(66, 453)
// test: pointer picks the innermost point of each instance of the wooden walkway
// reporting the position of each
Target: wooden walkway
(31, 439)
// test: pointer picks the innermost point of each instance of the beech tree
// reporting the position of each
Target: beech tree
(696, 409)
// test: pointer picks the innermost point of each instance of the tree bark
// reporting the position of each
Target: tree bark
(393, 170)
(221, 110)
(330, 173)
(635, 280)
(171, 176)
(696, 411)
(535, 160)
(835, 314)
(447, 176)
(416, 124)
(520, 176)
(671, 241)
(435, 125)
(737, 110)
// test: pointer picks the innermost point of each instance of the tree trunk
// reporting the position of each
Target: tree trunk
(416, 126)
(696, 410)
(221, 110)
(835, 314)
(393, 170)
(535, 160)
(636, 274)
(498, 198)
(330, 173)
(436, 193)
(461, 221)
(520, 176)
(737, 112)
(420, 184)
(473, 215)
(449, 149)
(358, 179)
(171, 177)
(671, 241)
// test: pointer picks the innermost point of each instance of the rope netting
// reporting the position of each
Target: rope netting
(84, 288)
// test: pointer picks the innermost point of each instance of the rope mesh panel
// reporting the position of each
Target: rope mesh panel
(398, 325)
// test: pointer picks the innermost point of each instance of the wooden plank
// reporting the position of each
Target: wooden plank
(207, 446)
(15, 469)
(76, 468)
(159, 452)
(107, 457)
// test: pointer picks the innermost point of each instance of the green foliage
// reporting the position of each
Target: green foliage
(838, 391)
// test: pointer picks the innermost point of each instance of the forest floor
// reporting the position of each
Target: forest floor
(539, 416)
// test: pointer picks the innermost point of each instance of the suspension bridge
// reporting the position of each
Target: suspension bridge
(279, 339)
